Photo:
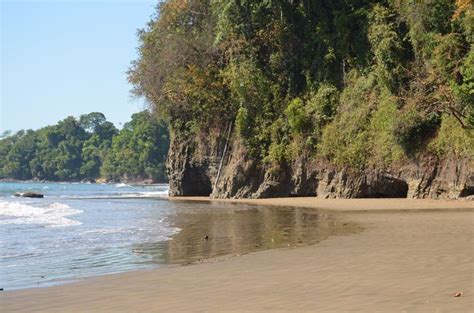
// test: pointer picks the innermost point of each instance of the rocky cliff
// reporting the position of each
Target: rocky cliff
(193, 169)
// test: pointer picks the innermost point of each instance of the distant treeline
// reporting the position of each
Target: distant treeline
(88, 148)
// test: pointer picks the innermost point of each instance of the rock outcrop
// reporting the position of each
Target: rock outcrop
(193, 170)
(29, 194)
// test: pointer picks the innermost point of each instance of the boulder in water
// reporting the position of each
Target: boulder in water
(88, 181)
(29, 194)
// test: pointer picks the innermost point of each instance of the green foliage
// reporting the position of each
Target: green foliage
(94, 151)
(92, 122)
(323, 105)
(387, 46)
(383, 145)
(345, 140)
(243, 122)
(76, 149)
(358, 83)
(297, 116)
(452, 139)
(425, 19)
(414, 128)
(465, 90)
(465, 16)
(251, 91)
(448, 55)
(139, 151)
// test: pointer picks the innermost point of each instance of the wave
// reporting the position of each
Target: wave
(128, 195)
(122, 185)
(106, 230)
(52, 215)
(148, 194)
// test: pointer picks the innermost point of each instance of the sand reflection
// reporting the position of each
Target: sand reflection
(241, 229)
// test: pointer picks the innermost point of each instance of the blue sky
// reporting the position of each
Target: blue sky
(61, 58)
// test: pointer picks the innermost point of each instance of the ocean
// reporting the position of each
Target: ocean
(82, 230)
(77, 230)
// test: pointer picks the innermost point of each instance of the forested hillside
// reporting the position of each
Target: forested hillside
(88, 148)
(348, 85)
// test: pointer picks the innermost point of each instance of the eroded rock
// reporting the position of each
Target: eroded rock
(193, 166)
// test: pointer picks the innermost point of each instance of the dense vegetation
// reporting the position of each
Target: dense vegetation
(357, 83)
(87, 148)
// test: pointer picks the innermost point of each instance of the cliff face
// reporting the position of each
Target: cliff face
(193, 169)
(190, 170)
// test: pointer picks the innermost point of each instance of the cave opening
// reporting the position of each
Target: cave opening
(389, 188)
(196, 182)
(466, 192)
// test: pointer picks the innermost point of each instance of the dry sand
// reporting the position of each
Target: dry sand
(412, 257)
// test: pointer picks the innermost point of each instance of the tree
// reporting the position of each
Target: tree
(139, 151)
(326, 79)
(75, 149)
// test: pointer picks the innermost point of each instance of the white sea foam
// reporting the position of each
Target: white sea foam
(126, 195)
(121, 185)
(153, 194)
(145, 194)
(106, 230)
(52, 215)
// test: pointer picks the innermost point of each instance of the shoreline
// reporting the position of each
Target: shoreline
(348, 205)
(86, 181)
(400, 262)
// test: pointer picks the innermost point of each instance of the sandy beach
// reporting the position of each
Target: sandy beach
(354, 205)
(413, 256)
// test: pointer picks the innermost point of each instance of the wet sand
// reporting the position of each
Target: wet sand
(412, 257)
(348, 204)
(232, 229)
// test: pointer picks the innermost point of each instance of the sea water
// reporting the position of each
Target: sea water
(81, 230)
(77, 230)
